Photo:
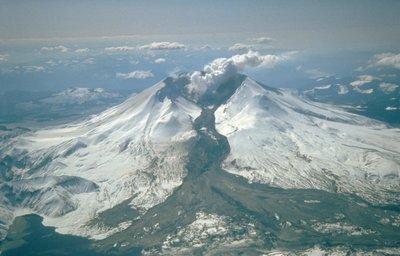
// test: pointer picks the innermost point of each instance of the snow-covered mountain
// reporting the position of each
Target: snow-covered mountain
(281, 139)
(135, 151)
(168, 153)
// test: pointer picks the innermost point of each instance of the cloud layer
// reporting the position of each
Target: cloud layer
(137, 74)
(163, 46)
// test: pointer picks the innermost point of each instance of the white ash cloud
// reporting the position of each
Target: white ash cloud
(222, 69)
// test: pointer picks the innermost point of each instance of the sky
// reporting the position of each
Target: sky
(350, 24)
(51, 45)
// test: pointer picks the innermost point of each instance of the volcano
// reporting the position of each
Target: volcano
(234, 168)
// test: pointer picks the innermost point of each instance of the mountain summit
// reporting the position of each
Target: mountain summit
(208, 162)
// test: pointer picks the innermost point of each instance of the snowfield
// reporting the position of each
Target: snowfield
(280, 139)
(136, 150)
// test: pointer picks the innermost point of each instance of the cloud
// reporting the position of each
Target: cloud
(134, 62)
(222, 69)
(137, 74)
(59, 48)
(119, 48)
(262, 40)
(89, 61)
(316, 73)
(159, 60)
(31, 69)
(25, 69)
(386, 60)
(3, 57)
(313, 73)
(364, 91)
(388, 87)
(163, 46)
(240, 47)
(82, 50)
(256, 43)
(364, 79)
(254, 59)
(390, 108)
(343, 89)
(51, 63)
(205, 47)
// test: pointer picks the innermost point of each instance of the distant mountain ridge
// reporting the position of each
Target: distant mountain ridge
(72, 103)
(370, 97)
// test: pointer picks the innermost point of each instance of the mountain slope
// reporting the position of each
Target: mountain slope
(282, 140)
(135, 151)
